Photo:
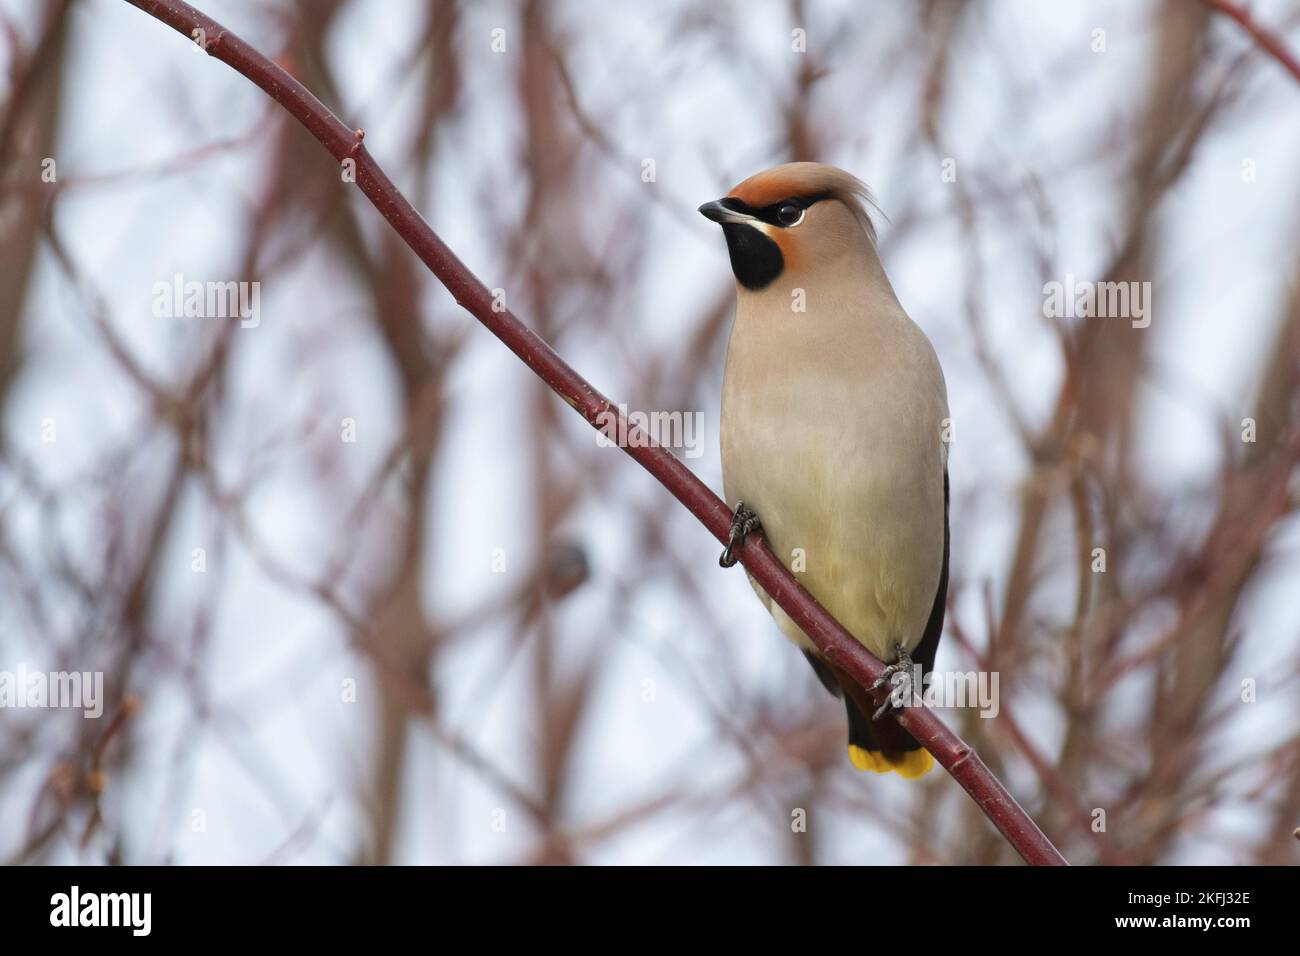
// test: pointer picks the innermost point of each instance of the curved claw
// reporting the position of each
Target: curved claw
(902, 666)
(887, 707)
(743, 523)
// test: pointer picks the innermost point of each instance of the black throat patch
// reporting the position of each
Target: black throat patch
(755, 259)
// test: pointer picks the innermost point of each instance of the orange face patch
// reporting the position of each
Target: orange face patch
(787, 241)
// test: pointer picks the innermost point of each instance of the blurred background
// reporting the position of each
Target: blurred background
(363, 590)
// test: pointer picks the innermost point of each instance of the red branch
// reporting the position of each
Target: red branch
(837, 644)
(1267, 40)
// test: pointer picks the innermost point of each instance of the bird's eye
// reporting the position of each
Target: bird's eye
(789, 215)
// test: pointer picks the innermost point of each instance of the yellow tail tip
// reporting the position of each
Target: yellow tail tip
(863, 759)
(913, 764)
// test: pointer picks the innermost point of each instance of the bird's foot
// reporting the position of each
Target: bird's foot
(743, 523)
(900, 675)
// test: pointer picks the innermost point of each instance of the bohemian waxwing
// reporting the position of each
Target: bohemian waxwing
(834, 416)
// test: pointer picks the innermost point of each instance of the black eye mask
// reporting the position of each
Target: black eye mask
(772, 214)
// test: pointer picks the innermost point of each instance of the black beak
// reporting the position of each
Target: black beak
(719, 213)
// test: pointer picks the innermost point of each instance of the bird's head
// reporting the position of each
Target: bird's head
(796, 220)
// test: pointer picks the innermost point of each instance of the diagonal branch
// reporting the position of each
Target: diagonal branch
(837, 644)
(1268, 41)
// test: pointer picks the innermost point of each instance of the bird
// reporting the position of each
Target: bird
(835, 435)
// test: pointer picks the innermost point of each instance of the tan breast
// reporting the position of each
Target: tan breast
(832, 431)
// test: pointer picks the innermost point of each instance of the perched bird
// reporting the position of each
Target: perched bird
(834, 425)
